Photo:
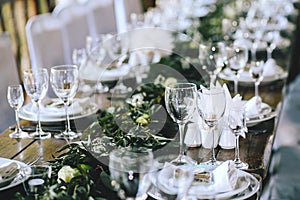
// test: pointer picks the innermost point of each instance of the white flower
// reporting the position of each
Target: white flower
(136, 99)
(66, 173)
(170, 81)
(160, 79)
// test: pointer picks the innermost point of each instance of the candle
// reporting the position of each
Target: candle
(36, 182)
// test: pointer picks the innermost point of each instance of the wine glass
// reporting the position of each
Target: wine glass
(15, 99)
(211, 104)
(64, 81)
(237, 124)
(256, 72)
(130, 171)
(36, 86)
(180, 99)
(237, 57)
(117, 48)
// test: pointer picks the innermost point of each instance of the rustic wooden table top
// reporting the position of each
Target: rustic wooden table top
(256, 149)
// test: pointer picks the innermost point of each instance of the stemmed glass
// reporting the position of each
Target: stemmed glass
(15, 99)
(237, 124)
(237, 59)
(180, 99)
(36, 86)
(212, 58)
(211, 104)
(118, 47)
(64, 81)
(129, 171)
(256, 72)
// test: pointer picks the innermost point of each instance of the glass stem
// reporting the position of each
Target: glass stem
(213, 158)
(68, 127)
(269, 52)
(18, 129)
(237, 150)
(236, 80)
(181, 139)
(38, 126)
(256, 84)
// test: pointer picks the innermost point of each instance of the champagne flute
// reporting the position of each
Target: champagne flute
(15, 99)
(180, 99)
(36, 86)
(236, 123)
(237, 60)
(64, 81)
(211, 106)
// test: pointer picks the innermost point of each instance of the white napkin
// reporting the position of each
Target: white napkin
(270, 68)
(227, 138)
(253, 106)
(193, 131)
(151, 38)
(225, 177)
(206, 136)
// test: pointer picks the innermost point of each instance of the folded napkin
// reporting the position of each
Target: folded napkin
(193, 130)
(8, 173)
(253, 106)
(270, 68)
(150, 38)
(227, 138)
(225, 177)
(172, 178)
(55, 107)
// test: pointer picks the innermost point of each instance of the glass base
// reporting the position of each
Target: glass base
(241, 165)
(40, 135)
(212, 164)
(19, 135)
(69, 135)
(183, 160)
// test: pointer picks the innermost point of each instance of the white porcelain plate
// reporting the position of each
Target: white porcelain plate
(15, 180)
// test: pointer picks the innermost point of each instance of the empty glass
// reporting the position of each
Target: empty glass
(36, 86)
(211, 106)
(180, 99)
(64, 81)
(256, 72)
(212, 58)
(129, 173)
(237, 124)
(15, 99)
(36, 178)
(237, 60)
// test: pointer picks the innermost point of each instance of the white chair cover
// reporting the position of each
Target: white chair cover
(45, 41)
(76, 25)
(102, 16)
(9, 76)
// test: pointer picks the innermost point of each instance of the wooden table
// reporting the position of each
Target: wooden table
(256, 149)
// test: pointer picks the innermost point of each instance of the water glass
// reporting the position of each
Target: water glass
(129, 172)
(36, 86)
(36, 180)
(64, 81)
(15, 99)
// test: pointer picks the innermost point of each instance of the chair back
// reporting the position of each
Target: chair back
(9, 76)
(102, 16)
(46, 44)
(76, 25)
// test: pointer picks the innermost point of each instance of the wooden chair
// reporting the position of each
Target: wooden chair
(9, 76)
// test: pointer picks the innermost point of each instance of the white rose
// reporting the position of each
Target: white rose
(66, 173)
(170, 81)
